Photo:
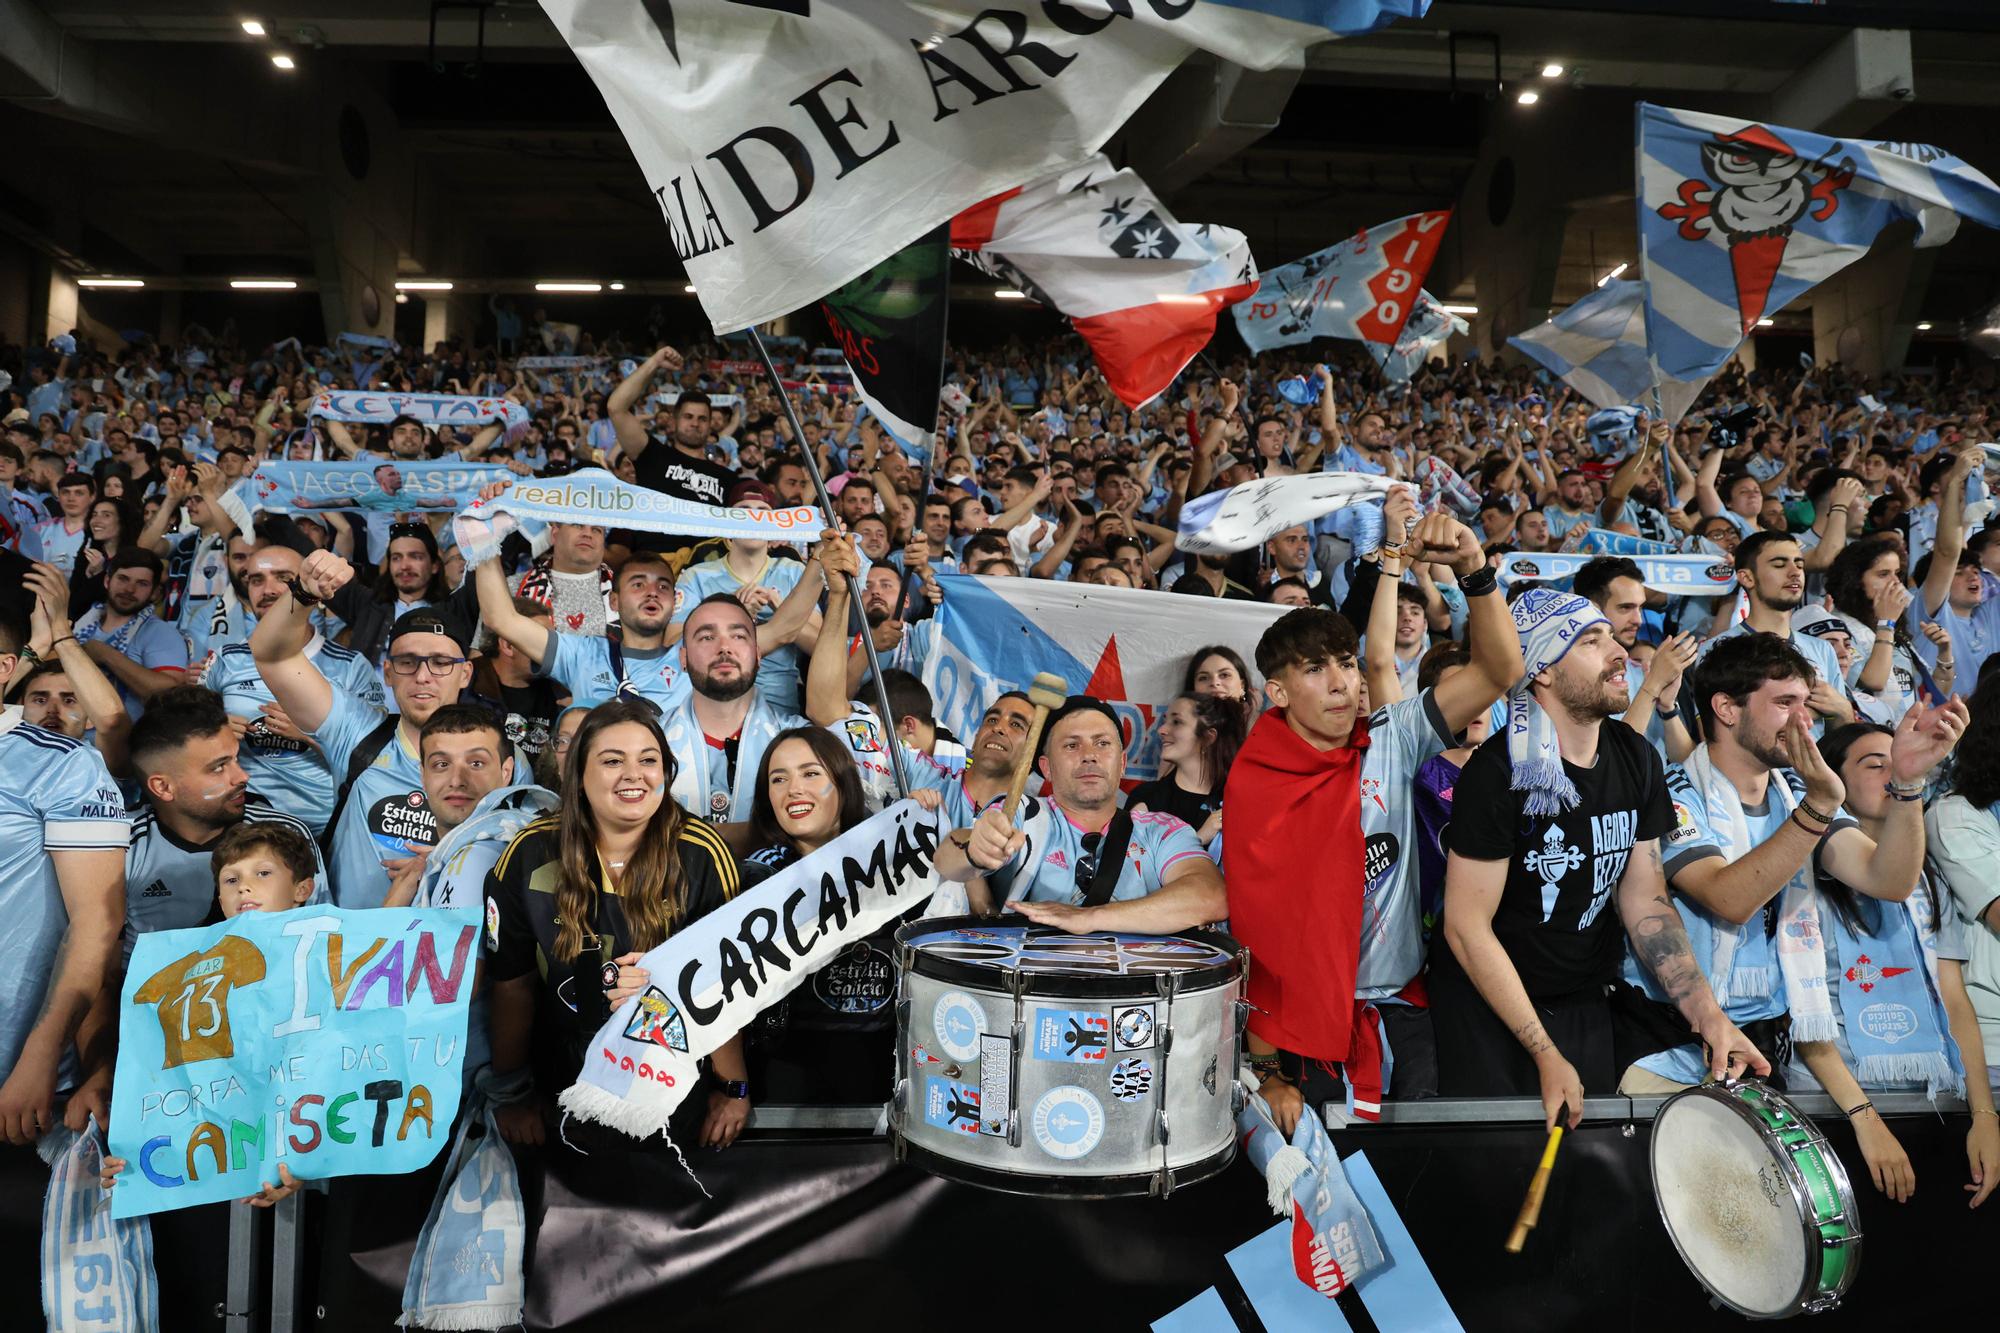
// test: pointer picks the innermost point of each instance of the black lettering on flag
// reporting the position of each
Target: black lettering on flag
(846, 154)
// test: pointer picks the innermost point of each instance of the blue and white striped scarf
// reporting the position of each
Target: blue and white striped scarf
(97, 1273)
(467, 1270)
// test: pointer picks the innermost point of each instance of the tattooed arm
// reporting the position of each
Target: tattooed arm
(1660, 943)
(1472, 892)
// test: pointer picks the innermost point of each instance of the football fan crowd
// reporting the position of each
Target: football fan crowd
(599, 736)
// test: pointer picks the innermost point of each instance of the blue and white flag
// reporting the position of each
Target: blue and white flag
(97, 1271)
(1682, 575)
(1126, 646)
(1737, 219)
(596, 497)
(1357, 289)
(326, 1039)
(1243, 516)
(382, 485)
(432, 409)
(1427, 329)
(1597, 346)
(1612, 430)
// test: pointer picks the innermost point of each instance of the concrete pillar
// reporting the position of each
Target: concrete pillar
(1865, 315)
(61, 312)
(358, 204)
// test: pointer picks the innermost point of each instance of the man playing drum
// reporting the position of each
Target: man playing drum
(1081, 863)
(1553, 819)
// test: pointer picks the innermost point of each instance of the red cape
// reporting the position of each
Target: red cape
(1291, 857)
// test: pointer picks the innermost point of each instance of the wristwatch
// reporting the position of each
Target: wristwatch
(737, 1088)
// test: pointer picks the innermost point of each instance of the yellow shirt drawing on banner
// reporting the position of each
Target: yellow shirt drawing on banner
(193, 998)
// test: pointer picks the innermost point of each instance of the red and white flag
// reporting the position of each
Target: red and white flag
(1094, 242)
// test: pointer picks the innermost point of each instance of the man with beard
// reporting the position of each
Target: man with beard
(142, 653)
(683, 470)
(1081, 863)
(749, 572)
(281, 763)
(380, 817)
(1756, 808)
(719, 731)
(1553, 818)
(1615, 585)
(184, 753)
(1771, 572)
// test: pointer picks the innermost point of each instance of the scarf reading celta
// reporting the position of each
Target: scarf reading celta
(1549, 623)
(594, 496)
(432, 409)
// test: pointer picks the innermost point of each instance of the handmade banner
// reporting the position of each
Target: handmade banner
(1242, 516)
(327, 1039)
(383, 485)
(1126, 646)
(894, 116)
(596, 497)
(890, 326)
(1598, 345)
(1363, 288)
(713, 977)
(1737, 219)
(1093, 242)
(1682, 575)
(432, 409)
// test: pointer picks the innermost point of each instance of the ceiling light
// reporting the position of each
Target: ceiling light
(1924, 327)
(253, 27)
(1766, 322)
(617, 286)
(1528, 97)
(689, 289)
(1009, 294)
(1612, 274)
(1463, 309)
(141, 282)
(423, 285)
(402, 298)
(1552, 70)
(284, 62)
(262, 284)
(569, 286)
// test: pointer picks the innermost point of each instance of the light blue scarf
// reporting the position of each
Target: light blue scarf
(691, 782)
(97, 1273)
(1549, 622)
(1895, 1024)
(467, 1270)
(1334, 1243)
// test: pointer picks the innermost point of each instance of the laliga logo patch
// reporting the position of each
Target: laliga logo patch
(658, 1022)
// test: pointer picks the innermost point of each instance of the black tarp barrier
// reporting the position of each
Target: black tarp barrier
(828, 1232)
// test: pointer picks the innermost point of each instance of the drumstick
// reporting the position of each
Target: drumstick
(1047, 693)
(1531, 1206)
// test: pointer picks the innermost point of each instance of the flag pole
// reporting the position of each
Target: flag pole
(857, 618)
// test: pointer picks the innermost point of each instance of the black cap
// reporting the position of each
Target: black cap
(423, 620)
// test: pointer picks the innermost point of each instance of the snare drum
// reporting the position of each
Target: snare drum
(1089, 1066)
(1755, 1199)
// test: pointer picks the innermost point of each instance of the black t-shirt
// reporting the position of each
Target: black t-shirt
(664, 468)
(1557, 917)
(521, 932)
(1165, 796)
(531, 715)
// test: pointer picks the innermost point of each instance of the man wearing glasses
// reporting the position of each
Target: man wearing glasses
(1083, 864)
(381, 816)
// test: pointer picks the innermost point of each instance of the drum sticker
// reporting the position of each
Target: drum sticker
(1132, 1029)
(1131, 1079)
(1068, 1122)
(920, 1056)
(949, 1105)
(657, 1021)
(996, 1082)
(1074, 1036)
(956, 1020)
(859, 981)
(1208, 1076)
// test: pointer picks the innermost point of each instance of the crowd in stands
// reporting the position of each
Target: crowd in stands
(213, 708)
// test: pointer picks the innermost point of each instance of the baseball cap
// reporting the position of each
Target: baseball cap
(423, 620)
(750, 489)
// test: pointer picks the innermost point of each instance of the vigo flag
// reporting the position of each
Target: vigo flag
(1093, 242)
(794, 144)
(1738, 219)
(1363, 289)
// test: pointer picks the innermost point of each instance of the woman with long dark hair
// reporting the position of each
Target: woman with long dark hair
(580, 896)
(109, 526)
(1199, 736)
(1866, 586)
(1220, 670)
(1935, 1018)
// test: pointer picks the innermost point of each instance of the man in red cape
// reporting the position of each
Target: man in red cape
(1298, 866)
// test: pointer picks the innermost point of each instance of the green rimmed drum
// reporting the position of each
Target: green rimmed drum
(1755, 1199)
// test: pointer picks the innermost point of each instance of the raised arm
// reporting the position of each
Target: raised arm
(1489, 626)
(278, 645)
(1704, 484)
(827, 691)
(496, 609)
(621, 406)
(1887, 867)
(1950, 529)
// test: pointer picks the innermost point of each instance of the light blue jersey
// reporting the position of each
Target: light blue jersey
(57, 796)
(583, 663)
(778, 677)
(292, 775)
(1045, 869)
(387, 817)
(170, 884)
(1401, 738)
(59, 545)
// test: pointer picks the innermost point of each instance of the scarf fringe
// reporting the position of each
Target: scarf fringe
(587, 1101)
(1751, 981)
(1549, 790)
(1820, 1026)
(1286, 1166)
(1929, 1068)
(463, 1317)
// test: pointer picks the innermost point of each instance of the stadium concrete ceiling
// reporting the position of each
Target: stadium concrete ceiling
(159, 137)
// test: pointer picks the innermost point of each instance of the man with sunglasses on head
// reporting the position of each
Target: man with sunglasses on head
(1081, 863)
(381, 816)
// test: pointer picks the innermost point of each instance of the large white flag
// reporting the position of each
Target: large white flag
(794, 144)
